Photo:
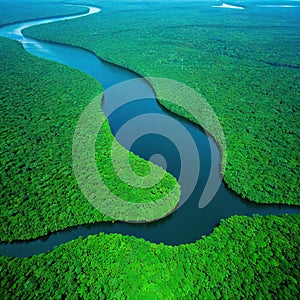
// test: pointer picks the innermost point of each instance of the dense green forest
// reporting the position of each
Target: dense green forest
(245, 258)
(41, 101)
(228, 56)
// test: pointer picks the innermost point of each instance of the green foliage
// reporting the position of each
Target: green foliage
(108, 166)
(40, 105)
(226, 56)
(243, 258)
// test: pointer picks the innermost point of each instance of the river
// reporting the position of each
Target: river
(189, 222)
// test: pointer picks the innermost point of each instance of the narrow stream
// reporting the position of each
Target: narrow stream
(185, 225)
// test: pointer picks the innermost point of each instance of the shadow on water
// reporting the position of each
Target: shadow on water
(185, 225)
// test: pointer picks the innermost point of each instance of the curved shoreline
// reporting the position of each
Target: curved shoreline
(34, 22)
(268, 205)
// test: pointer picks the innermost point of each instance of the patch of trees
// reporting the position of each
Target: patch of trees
(245, 257)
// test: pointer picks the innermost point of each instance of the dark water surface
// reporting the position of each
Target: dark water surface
(185, 225)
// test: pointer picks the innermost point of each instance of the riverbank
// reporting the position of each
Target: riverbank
(244, 257)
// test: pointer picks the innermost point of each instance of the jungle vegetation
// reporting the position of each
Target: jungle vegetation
(244, 258)
(41, 101)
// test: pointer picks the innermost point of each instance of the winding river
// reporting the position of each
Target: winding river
(185, 225)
